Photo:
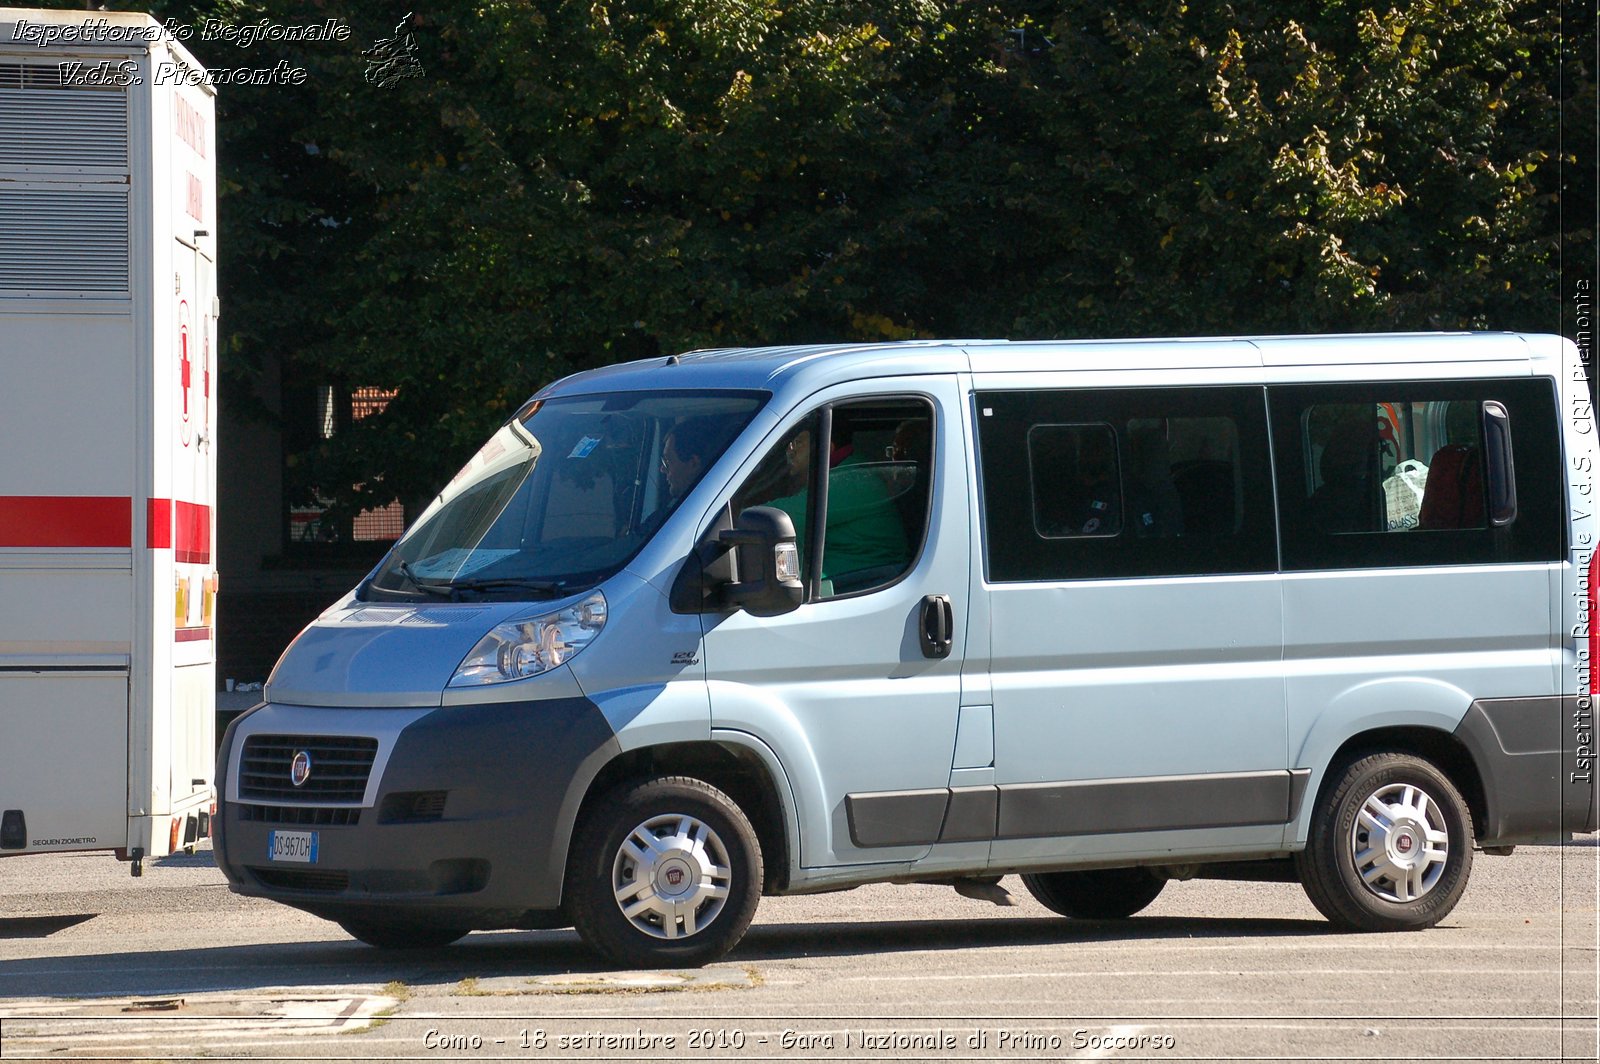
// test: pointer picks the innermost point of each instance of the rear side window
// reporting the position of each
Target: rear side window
(1127, 482)
(1415, 473)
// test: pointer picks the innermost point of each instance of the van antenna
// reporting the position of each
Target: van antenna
(672, 360)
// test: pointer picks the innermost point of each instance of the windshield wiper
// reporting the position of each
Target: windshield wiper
(426, 586)
(452, 589)
(552, 588)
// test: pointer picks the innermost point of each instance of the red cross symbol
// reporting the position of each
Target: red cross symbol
(185, 368)
(188, 367)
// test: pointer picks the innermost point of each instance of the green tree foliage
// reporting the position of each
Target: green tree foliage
(1299, 166)
(577, 183)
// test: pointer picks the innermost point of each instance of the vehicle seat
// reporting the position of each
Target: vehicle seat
(1453, 497)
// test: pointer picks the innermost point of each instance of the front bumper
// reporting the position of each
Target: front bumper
(463, 817)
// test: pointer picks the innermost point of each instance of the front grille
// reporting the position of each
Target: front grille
(339, 767)
(338, 816)
(325, 882)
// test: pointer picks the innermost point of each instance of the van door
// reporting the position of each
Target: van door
(857, 690)
(1136, 627)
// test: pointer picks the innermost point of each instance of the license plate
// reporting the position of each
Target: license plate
(299, 846)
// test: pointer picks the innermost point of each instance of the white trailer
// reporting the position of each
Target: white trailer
(108, 462)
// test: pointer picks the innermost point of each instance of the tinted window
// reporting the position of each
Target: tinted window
(1399, 474)
(1127, 482)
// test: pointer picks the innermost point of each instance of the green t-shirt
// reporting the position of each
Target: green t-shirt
(864, 527)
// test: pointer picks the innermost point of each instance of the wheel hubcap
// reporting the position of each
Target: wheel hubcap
(671, 876)
(1400, 842)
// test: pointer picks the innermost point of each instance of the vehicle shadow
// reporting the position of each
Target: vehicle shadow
(787, 941)
(39, 926)
(201, 858)
(537, 953)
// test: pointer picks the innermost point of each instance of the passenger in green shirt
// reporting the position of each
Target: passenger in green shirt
(865, 541)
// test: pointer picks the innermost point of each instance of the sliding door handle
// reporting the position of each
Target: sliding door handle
(936, 626)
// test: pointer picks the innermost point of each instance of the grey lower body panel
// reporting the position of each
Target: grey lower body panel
(483, 846)
(1535, 757)
(1080, 807)
(1096, 807)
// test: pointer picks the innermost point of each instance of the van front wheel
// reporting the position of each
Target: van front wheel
(664, 872)
(1390, 846)
(1100, 894)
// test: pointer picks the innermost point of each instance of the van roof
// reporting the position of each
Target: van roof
(768, 368)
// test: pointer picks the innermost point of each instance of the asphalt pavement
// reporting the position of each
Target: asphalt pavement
(172, 966)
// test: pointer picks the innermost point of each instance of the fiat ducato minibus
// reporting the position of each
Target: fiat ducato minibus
(696, 629)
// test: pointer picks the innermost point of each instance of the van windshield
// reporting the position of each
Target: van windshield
(563, 495)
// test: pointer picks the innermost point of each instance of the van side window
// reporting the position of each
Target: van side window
(1358, 464)
(878, 458)
(1393, 466)
(1126, 482)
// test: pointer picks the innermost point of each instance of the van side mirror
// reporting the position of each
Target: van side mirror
(768, 582)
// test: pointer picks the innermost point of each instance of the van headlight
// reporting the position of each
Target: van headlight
(522, 648)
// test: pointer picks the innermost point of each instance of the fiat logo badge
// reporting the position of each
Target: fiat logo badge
(1403, 844)
(674, 876)
(300, 767)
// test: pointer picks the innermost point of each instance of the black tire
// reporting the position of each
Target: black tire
(703, 924)
(401, 935)
(1406, 886)
(1100, 894)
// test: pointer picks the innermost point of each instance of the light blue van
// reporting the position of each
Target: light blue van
(1105, 614)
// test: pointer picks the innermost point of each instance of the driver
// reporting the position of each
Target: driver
(864, 531)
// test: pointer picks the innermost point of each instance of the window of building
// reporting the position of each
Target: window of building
(336, 410)
(386, 523)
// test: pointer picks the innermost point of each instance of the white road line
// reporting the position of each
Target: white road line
(209, 1016)
(1209, 973)
(1347, 943)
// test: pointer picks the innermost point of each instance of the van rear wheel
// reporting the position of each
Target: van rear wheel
(664, 872)
(1390, 846)
(1100, 894)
